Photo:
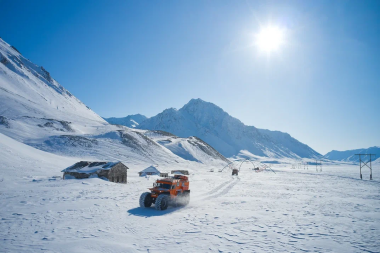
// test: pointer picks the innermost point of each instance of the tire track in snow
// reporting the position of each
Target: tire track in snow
(225, 190)
(217, 188)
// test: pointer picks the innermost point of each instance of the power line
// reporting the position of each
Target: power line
(365, 164)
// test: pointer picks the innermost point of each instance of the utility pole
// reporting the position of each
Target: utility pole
(316, 164)
(365, 164)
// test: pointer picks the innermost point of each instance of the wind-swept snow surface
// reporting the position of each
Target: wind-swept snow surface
(290, 211)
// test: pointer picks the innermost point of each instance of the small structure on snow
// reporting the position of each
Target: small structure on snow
(113, 171)
(164, 174)
(183, 172)
(151, 170)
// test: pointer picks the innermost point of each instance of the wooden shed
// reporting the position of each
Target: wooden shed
(112, 171)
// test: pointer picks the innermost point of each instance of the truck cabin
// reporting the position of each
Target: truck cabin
(172, 185)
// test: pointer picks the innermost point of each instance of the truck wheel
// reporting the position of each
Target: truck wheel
(162, 202)
(146, 199)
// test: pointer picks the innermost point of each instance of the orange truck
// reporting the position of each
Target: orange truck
(167, 191)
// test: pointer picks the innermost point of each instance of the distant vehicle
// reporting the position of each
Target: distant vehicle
(179, 172)
(235, 172)
(167, 191)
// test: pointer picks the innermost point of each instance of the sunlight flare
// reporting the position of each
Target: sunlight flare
(270, 38)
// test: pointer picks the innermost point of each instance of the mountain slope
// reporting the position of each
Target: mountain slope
(349, 155)
(129, 121)
(225, 133)
(192, 148)
(29, 90)
(36, 110)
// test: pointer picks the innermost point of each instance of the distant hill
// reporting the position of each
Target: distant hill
(129, 121)
(349, 155)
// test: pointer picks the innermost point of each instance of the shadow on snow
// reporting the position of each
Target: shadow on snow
(151, 211)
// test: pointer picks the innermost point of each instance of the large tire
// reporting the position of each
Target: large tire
(162, 202)
(146, 199)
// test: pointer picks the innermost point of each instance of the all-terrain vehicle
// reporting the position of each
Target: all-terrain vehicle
(167, 191)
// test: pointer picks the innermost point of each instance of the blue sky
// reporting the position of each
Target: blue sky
(125, 57)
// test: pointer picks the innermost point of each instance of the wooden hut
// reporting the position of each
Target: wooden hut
(112, 171)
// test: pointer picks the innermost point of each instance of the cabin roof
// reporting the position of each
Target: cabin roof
(90, 167)
(151, 169)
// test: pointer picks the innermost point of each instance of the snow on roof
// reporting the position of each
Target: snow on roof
(151, 169)
(90, 167)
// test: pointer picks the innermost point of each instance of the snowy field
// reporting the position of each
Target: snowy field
(292, 210)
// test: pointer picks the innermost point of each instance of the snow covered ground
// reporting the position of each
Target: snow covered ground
(292, 210)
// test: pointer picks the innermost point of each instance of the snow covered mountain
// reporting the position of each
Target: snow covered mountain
(349, 155)
(192, 148)
(131, 121)
(36, 110)
(29, 90)
(225, 133)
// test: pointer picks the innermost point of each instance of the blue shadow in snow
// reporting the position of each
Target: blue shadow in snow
(151, 211)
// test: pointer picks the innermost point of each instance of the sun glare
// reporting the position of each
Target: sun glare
(270, 38)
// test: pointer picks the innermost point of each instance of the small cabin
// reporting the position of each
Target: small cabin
(183, 172)
(111, 171)
(151, 170)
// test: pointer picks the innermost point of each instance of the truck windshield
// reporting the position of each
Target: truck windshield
(165, 186)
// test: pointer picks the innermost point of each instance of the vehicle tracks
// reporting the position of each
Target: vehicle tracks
(217, 188)
(224, 190)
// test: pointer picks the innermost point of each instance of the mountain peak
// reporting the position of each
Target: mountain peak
(198, 102)
(225, 133)
(200, 108)
(171, 109)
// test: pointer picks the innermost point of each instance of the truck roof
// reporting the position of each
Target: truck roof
(174, 179)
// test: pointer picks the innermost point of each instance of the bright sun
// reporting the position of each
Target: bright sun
(270, 38)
